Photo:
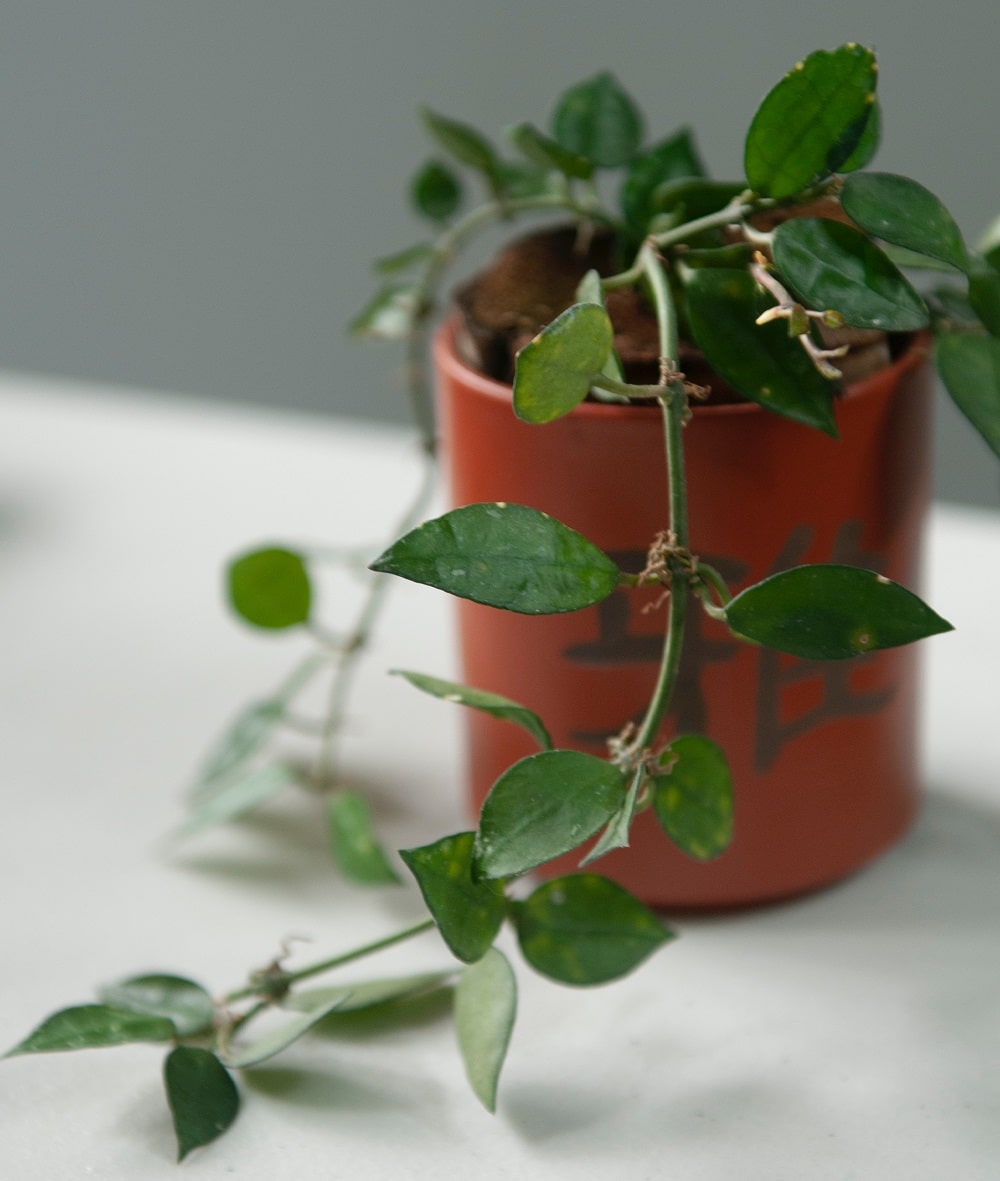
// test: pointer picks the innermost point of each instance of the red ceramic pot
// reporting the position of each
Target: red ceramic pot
(823, 755)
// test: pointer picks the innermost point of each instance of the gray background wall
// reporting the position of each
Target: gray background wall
(192, 189)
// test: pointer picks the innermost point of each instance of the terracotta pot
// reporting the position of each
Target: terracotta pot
(823, 755)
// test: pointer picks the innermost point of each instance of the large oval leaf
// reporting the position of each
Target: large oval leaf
(761, 361)
(598, 120)
(485, 1008)
(270, 588)
(833, 266)
(811, 122)
(478, 699)
(693, 796)
(553, 373)
(468, 913)
(970, 369)
(176, 998)
(85, 1027)
(504, 555)
(828, 612)
(203, 1098)
(583, 929)
(543, 806)
(903, 212)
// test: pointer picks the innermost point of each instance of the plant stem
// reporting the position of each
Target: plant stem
(674, 407)
(289, 978)
(360, 634)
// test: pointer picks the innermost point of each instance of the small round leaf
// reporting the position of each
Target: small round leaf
(693, 797)
(584, 929)
(436, 192)
(553, 373)
(270, 588)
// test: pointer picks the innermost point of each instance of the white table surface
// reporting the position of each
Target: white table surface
(851, 1035)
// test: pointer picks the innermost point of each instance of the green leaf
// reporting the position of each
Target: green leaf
(468, 913)
(353, 842)
(671, 159)
(176, 998)
(234, 795)
(869, 142)
(546, 153)
(485, 1008)
(516, 180)
(830, 265)
(488, 703)
(618, 828)
(203, 1098)
(905, 213)
(970, 369)
(553, 373)
(984, 294)
(761, 361)
(584, 929)
(590, 290)
(504, 555)
(464, 143)
(402, 260)
(827, 612)
(275, 1040)
(270, 588)
(367, 994)
(693, 798)
(599, 121)
(812, 122)
(85, 1027)
(245, 737)
(541, 807)
(436, 192)
(391, 314)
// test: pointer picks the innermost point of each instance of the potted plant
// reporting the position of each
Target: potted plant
(755, 274)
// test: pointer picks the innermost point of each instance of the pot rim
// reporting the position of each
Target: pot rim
(449, 363)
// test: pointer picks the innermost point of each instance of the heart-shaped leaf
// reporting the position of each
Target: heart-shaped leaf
(436, 192)
(353, 843)
(761, 361)
(176, 998)
(543, 806)
(970, 369)
(203, 1098)
(488, 703)
(468, 913)
(270, 588)
(811, 122)
(583, 929)
(829, 612)
(597, 120)
(85, 1027)
(833, 266)
(504, 555)
(693, 796)
(553, 373)
(903, 212)
(485, 1008)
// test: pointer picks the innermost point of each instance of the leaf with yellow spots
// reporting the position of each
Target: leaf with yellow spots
(828, 612)
(468, 913)
(693, 797)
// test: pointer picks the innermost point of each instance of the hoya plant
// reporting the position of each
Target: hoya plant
(757, 292)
